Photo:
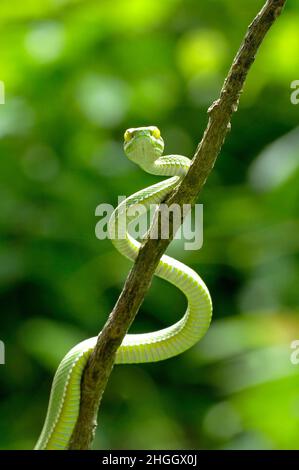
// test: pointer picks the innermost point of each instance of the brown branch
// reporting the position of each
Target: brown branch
(139, 278)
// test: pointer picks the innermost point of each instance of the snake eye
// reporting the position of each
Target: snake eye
(128, 136)
(156, 133)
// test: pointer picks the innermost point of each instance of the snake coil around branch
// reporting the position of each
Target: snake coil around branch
(144, 146)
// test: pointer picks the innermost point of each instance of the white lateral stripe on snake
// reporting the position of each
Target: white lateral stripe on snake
(144, 146)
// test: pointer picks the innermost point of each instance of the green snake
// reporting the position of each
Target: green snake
(144, 146)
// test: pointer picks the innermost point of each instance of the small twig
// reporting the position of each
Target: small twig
(139, 278)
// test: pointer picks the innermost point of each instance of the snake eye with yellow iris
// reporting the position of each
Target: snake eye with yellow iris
(156, 133)
(128, 136)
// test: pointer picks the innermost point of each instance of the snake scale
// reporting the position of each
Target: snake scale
(144, 146)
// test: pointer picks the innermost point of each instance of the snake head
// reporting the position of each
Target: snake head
(143, 145)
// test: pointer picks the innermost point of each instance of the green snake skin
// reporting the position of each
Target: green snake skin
(143, 146)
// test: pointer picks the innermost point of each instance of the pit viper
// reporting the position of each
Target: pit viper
(143, 146)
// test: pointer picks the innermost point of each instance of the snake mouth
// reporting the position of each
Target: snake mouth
(145, 142)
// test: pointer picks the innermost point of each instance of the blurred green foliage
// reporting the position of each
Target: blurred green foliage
(77, 74)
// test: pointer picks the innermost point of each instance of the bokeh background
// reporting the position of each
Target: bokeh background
(77, 74)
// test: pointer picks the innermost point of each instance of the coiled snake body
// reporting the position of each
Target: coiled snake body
(144, 146)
